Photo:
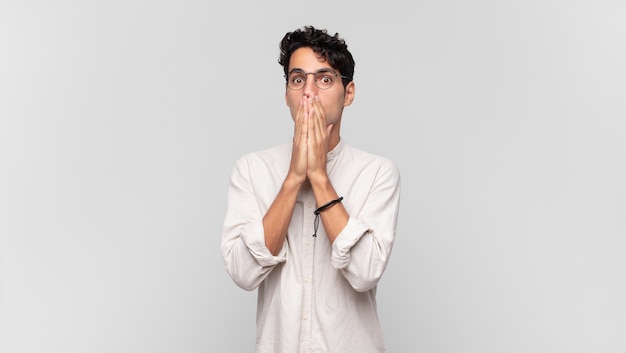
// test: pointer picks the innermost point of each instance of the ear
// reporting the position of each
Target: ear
(349, 95)
(286, 101)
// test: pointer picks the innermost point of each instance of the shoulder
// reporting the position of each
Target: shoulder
(268, 158)
(269, 153)
(371, 159)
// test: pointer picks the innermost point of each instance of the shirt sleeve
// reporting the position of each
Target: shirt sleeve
(246, 258)
(362, 249)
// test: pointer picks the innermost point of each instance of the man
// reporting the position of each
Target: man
(311, 223)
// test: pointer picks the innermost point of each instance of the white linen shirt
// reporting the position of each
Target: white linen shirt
(313, 296)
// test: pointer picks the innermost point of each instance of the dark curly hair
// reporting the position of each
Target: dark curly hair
(332, 48)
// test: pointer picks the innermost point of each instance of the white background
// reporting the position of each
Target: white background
(120, 122)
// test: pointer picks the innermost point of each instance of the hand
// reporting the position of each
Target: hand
(317, 139)
(298, 166)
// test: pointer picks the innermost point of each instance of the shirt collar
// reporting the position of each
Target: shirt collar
(335, 151)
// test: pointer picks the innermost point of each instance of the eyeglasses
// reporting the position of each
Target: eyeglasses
(324, 78)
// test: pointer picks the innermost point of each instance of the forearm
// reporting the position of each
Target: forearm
(333, 218)
(276, 220)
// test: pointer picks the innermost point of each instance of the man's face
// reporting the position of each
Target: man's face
(332, 99)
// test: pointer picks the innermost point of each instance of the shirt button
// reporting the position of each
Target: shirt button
(306, 317)
(307, 280)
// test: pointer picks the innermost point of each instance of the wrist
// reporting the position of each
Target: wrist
(320, 181)
(293, 182)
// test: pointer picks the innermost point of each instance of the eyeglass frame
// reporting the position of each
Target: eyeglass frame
(306, 75)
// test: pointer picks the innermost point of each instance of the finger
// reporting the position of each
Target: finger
(320, 120)
(310, 120)
(300, 135)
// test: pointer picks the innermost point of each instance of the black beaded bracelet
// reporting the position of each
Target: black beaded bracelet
(319, 210)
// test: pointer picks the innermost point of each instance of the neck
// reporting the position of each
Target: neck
(334, 138)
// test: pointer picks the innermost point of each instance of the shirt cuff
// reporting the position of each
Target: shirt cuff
(253, 236)
(349, 236)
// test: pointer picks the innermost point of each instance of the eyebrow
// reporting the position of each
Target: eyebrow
(324, 69)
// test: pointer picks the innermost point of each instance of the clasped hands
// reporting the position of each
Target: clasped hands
(310, 141)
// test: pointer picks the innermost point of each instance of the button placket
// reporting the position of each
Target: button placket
(308, 252)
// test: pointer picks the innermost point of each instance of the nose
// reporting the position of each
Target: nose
(309, 88)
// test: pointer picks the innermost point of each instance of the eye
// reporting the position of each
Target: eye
(325, 79)
(297, 79)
